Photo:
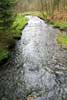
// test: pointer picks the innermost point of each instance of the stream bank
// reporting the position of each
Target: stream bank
(9, 36)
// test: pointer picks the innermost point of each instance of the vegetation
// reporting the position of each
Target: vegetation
(36, 13)
(57, 23)
(59, 20)
(60, 25)
(4, 55)
(6, 14)
(52, 10)
(10, 27)
(7, 39)
(18, 24)
(5, 23)
(62, 40)
(11, 22)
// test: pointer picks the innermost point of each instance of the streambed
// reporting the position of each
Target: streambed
(38, 67)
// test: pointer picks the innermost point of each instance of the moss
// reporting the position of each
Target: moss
(60, 25)
(4, 55)
(62, 40)
(18, 25)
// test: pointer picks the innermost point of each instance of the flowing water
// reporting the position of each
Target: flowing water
(38, 67)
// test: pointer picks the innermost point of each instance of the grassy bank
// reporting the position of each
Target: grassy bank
(8, 37)
(62, 40)
(4, 55)
(59, 20)
(18, 25)
(62, 25)
(58, 24)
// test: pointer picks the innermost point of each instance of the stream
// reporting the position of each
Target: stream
(37, 69)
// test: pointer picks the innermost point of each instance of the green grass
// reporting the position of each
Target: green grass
(62, 40)
(4, 54)
(18, 25)
(60, 25)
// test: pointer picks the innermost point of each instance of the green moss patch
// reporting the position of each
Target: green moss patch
(62, 40)
(4, 55)
(60, 25)
(18, 25)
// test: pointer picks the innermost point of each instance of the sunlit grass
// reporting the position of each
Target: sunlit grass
(18, 25)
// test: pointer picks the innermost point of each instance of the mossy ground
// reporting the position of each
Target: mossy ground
(57, 24)
(62, 40)
(18, 25)
(8, 37)
(4, 55)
